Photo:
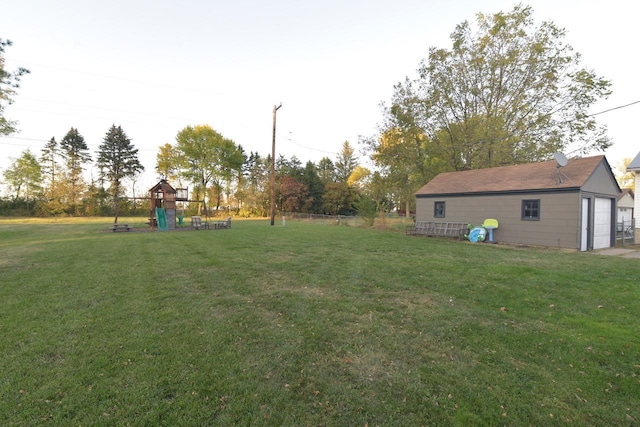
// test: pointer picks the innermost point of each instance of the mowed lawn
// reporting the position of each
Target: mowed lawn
(309, 324)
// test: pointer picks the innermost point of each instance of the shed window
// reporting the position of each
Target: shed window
(438, 209)
(531, 210)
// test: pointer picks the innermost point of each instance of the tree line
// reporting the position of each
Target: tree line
(509, 90)
(225, 178)
(54, 183)
(221, 177)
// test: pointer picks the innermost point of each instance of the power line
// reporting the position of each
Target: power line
(90, 145)
(135, 81)
(304, 146)
(614, 108)
(24, 139)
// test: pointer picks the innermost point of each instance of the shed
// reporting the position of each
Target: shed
(634, 166)
(544, 204)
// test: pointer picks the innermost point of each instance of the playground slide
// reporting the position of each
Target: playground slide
(161, 216)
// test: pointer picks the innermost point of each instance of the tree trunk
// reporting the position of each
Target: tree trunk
(116, 205)
(407, 208)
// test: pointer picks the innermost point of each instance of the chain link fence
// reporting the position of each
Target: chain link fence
(626, 232)
(352, 220)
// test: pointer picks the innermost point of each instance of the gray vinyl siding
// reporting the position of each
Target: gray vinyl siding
(558, 225)
(601, 181)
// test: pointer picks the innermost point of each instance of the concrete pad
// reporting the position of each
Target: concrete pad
(634, 254)
(614, 251)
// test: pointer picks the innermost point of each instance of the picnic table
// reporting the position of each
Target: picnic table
(222, 224)
(120, 227)
(198, 224)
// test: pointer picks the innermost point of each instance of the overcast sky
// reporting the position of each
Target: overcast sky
(154, 67)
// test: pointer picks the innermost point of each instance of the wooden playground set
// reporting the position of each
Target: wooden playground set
(164, 214)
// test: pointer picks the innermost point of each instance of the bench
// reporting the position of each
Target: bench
(198, 224)
(222, 224)
(438, 229)
(120, 227)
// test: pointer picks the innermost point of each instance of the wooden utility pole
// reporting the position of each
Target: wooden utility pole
(273, 166)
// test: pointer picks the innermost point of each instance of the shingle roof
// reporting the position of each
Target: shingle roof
(635, 164)
(624, 192)
(163, 185)
(529, 176)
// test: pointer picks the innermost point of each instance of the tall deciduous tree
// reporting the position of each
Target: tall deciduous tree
(117, 160)
(9, 82)
(292, 195)
(508, 91)
(378, 191)
(232, 159)
(625, 178)
(24, 176)
(359, 178)
(402, 153)
(339, 198)
(206, 156)
(167, 164)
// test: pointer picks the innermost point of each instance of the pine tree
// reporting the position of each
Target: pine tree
(345, 163)
(117, 160)
(49, 164)
(76, 155)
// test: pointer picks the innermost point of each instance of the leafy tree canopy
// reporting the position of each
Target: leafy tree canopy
(507, 91)
(625, 177)
(9, 82)
(206, 156)
(359, 177)
(24, 176)
(167, 162)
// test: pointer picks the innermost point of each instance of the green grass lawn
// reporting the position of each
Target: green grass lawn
(309, 324)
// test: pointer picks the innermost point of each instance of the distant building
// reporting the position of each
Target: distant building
(635, 167)
(625, 206)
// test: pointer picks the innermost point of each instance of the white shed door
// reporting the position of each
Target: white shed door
(602, 223)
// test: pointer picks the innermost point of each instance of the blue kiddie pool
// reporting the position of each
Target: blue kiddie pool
(477, 234)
